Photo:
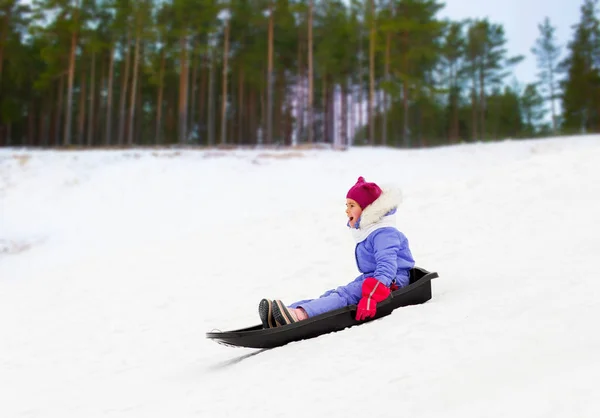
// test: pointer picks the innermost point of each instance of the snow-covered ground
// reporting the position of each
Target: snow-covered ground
(114, 265)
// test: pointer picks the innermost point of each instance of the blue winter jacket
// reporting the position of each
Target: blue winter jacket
(385, 255)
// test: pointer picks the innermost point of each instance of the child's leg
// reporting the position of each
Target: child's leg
(329, 301)
(321, 305)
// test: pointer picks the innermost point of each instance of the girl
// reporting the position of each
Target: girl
(382, 256)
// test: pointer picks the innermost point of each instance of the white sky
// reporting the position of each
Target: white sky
(114, 265)
(520, 19)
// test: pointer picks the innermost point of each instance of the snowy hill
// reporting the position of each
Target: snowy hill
(114, 264)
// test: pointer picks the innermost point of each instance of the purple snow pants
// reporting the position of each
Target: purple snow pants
(332, 299)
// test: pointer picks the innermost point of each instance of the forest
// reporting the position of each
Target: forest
(121, 73)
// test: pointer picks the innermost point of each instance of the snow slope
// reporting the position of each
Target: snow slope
(114, 264)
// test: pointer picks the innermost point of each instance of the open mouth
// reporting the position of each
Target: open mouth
(351, 218)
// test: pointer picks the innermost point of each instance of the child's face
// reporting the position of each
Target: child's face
(353, 211)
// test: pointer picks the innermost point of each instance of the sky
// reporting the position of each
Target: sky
(114, 265)
(520, 19)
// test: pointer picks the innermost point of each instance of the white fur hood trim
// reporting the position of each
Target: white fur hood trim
(362, 234)
(390, 198)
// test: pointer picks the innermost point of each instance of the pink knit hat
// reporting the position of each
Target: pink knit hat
(364, 193)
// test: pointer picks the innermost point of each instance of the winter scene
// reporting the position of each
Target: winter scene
(283, 208)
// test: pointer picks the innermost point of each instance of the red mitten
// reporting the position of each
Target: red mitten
(373, 292)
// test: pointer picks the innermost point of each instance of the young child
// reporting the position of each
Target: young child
(382, 256)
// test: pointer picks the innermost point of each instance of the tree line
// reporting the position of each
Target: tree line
(97, 73)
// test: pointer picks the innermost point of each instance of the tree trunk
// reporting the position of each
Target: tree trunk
(361, 78)
(324, 124)
(159, 99)
(59, 109)
(474, 112)
(361, 111)
(109, 97)
(67, 137)
(252, 116)
(81, 123)
(240, 106)
(372, 74)
(183, 89)
(202, 100)
(31, 124)
(406, 104)
(406, 131)
(388, 44)
(422, 118)
(552, 98)
(100, 114)
(311, 115)
(90, 132)
(43, 123)
(232, 110)
(171, 124)
(192, 125)
(139, 128)
(352, 107)
(224, 84)
(288, 125)
(299, 91)
(263, 114)
(344, 115)
(123, 99)
(269, 138)
(331, 108)
(278, 105)
(132, 101)
(455, 121)
(482, 104)
(211, 100)
(453, 100)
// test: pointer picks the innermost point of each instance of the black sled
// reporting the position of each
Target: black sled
(418, 291)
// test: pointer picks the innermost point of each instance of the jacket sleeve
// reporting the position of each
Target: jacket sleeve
(386, 244)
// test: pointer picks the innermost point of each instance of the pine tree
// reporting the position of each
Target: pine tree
(581, 87)
(548, 53)
(416, 51)
(453, 68)
(532, 106)
(14, 18)
(488, 66)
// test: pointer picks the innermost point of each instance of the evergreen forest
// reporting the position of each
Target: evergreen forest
(121, 73)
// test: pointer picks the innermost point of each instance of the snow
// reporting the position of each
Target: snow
(114, 265)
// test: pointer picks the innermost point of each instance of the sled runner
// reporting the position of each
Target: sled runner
(418, 291)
